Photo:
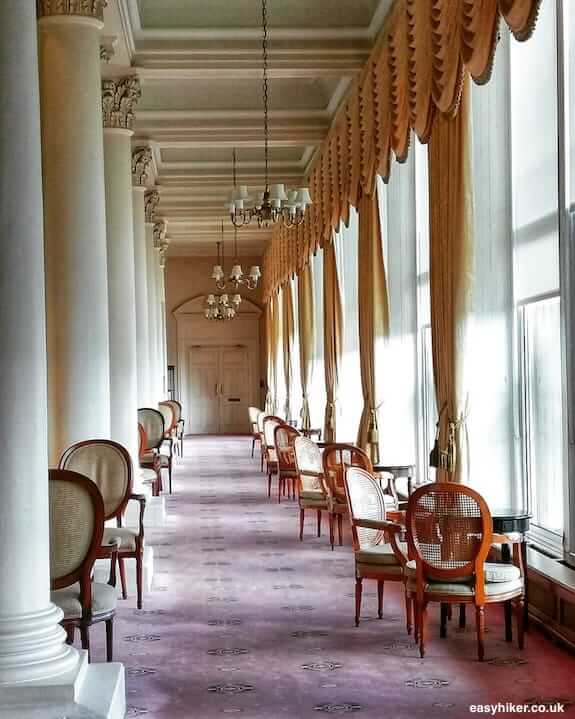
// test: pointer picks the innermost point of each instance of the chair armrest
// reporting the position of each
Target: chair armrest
(382, 524)
(141, 498)
(110, 551)
(511, 538)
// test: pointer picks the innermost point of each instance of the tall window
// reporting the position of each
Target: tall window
(350, 391)
(317, 389)
(534, 112)
(280, 375)
(296, 391)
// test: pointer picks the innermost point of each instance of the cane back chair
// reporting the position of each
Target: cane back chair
(253, 413)
(449, 534)
(270, 423)
(109, 466)
(178, 426)
(76, 533)
(312, 494)
(260, 420)
(149, 463)
(152, 420)
(170, 445)
(284, 438)
(379, 553)
(336, 459)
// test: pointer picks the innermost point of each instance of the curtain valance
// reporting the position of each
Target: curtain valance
(415, 70)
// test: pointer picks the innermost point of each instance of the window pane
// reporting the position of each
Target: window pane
(543, 412)
(295, 399)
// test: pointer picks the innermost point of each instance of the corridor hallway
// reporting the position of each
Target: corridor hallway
(244, 619)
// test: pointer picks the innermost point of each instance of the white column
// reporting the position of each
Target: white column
(141, 161)
(152, 199)
(31, 639)
(74, 223)
(119, 98)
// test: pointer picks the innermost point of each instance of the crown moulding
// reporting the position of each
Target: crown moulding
(119, 100)
(83, 8)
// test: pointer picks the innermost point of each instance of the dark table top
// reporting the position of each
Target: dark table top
(510, 513)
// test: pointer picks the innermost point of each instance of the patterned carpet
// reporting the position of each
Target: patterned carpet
(244, 619)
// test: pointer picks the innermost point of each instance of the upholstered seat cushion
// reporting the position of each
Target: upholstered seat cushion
(126, 536)
(380, 554)
(499, 579)
(68, 599)
(148, 457)
(313, 495)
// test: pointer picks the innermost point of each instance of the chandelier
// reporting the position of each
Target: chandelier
(236, 278)
(221, 307)
(274, 204)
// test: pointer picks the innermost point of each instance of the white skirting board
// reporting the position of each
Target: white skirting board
(90, 691)
(102, 574)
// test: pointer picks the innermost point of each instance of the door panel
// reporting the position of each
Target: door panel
(203, 390)
(236, 385)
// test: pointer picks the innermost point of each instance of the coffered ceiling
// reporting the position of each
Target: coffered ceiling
(199, 63)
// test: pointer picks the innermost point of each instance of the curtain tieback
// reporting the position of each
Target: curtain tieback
(331, 414)
(373, 429)
(304, 414)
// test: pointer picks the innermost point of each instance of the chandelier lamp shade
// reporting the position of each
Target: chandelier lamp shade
(221, 307)
(276, 203)
(236, 278)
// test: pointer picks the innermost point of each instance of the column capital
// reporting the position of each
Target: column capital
(83, 8)
(119, 100)
(151, 199)
(160, 231)
(142, 160)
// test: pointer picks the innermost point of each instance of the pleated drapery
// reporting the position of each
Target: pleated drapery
(414, 73)
(288, 341)
(333, 337)
(451, 280)
(306, 326)
(373, 317)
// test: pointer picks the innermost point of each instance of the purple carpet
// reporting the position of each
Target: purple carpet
(244, 619)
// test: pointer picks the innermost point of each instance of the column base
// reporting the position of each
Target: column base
(89, 691)
(102, 573)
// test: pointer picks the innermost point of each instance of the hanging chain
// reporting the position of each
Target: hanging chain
(235, 245)
(265, 85)
(234, 159)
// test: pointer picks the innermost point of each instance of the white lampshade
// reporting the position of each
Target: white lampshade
(236, 273)
(238, 205)
(277, 192)
(224, 300)
(255, 272)
(292, 198)
(240, 193)
(217, 272)
(276, 204)
(211, 300)
(236, 300)
(207, 313)
(230, 207)
(303, 197)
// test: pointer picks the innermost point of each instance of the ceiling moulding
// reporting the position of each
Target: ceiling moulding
(130, 19)
(236, 67)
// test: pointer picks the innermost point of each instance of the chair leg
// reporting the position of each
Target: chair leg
(182, 447)
(331, 531)
(269, 484)
(170, 473)
(85, 638)
(520, 614)
(508, 613)
(415, 621)
(462, 617)
(480, 624)
(262, 462)
(422, 627)
(110, 640)
(340, 529)
(301, 521)
(358, 591)
(408, 613)
(319, 522)
(443, 624)
(253, 446)
(139, 577)
(70, 631)
(380, 586)
(122, 566)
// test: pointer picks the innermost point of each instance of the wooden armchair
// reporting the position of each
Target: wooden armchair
(379, 553)
(152, 420)
(449, 533)
(284, 438)
(149, 463)
(261, 417)
(109, 466)
(178, 427)
(270, 422)
(253, 413)
(76, 533)
(170, 444)
(312, 494)
(336, 459)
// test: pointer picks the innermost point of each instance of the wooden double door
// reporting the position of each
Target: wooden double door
(219, 388)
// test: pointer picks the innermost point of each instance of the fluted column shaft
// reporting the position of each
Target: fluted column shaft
(31, 639)
(119, 98)
(75, 230)
(153, 314)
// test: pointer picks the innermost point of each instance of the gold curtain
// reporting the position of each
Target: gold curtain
(306, 325)
(414, 73)
(264, 357)
(373, 317)
(276, 339)
(287, 337)
(332, 337)
(270, 358)
(451, 279)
